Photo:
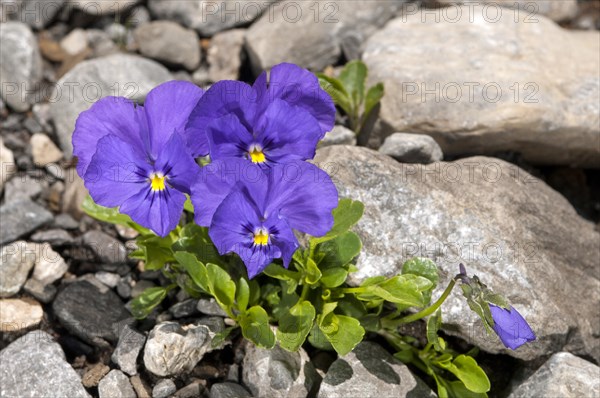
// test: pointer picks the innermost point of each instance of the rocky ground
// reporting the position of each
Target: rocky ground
(487, 151)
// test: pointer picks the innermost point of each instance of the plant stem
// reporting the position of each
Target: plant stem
(427, 311)
(305, 290)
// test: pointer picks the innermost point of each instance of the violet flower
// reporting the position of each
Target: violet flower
(266, 125)
(511, 327)
(251, 211)
(134, 157)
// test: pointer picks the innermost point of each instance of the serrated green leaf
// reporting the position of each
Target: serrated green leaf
(353, 77)
(295, 325)
(142, 305)
(255, 327)
(345, 216)
(373, 97)
(221, 286)
(195, 269)
(466, 369)
(242, 295)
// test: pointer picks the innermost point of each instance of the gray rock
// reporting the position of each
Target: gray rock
(228, 390)
(65, 221)
(311, 34)
(209, 17)
(277, 372)
(340, 135)
(183, 309)
(35, 13)
(93, 7)
(21, 69)
(492, 97)
(98, 327)
(21, 217)
(225, 55)
(509, 228)
(172, 349)
(115, 385)
(23, 187)
(41, 114)
(38, 362)
(164, 388)
(370, 371)
(210, 307)
(88, 81)
(43, 293)
(74, 195)
(564, 375)
(55, 237)
(128, 349)
(49, 265)
(169, 43)
(44, 151)
(32, 125)
(7, 164)
(555, 10)
(19, 314)
(100, 43)
(140, 286)
(110, 279)
(108, 249)
(412, 148)
(16, 260)
(75, 42)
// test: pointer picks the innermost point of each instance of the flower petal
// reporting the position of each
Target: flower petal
(287, 133)
(283, 237)
(227, 137)
(511, 327)
(110, 115)
(168, 107)
(158, 210)
(177, 164)
(304, 195)
(215, 181)
(223, 98)
(299, 87)
(116, 172)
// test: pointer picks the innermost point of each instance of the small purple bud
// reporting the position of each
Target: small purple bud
(511, 327)
(463, 270)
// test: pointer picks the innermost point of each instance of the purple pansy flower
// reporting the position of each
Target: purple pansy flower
(134, 156)
(266, 125)
(511, 327)
(251, 211)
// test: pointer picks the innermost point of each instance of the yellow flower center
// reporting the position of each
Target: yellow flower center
(256, 154)
(261, 237)
(157, 181)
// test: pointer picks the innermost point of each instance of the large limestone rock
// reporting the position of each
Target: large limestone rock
(560, 10)
(313, 34)
(481, 84)
(117, 75)
(518, 235)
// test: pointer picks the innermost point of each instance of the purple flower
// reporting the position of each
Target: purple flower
(511, 327)
(266, 125)
(134, 157)
(251, 211)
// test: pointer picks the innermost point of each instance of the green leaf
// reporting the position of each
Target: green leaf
(187, 205)
(295, 325)
(345, 216)
(313, 274)
(221, 286)
(156, 251)
(195, 269)
(255, 327)
(400, 289)
(318, 340)
(433, 325)
(465, 368)
(142, 305)
(242, 296)
(457, 389)
(353, 77)
(221, 337)
(425, 268)
(343, 332)
(109, 215)
(374, 95)
(338, 252)
(194, 239)
(278, 272)
(334, 277)
(336, 90)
